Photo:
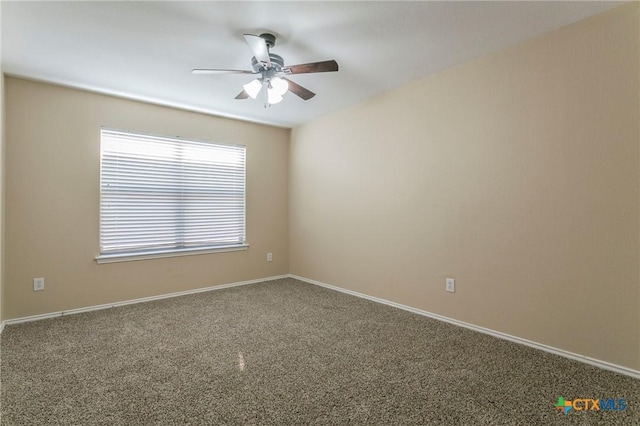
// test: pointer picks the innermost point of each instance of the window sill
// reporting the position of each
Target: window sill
(129, 257)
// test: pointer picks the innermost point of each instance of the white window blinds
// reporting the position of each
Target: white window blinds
(169, 195)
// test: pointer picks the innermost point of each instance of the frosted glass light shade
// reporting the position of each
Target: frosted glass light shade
(279, 85)
(273, 97)
(253, 88)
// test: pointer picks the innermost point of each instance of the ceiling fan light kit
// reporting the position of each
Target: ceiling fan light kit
(271, 72)
(276, 89)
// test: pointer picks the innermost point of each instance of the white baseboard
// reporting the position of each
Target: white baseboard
(577, 357)
(130, 302)
(2, 323)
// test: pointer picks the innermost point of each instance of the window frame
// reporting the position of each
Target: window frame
(173, 251)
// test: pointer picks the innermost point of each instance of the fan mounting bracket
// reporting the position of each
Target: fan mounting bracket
(269, 38)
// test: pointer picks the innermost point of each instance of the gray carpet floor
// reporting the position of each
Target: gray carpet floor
(286, 352)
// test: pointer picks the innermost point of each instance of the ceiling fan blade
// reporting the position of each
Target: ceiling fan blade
(298, 90)
(242, 95)
(259, 48)
(219, 71)
(324, 66)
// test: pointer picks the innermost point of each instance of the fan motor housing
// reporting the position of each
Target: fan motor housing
(276, 63)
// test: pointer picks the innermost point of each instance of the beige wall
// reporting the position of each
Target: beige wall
(52, 200)
(516, 174)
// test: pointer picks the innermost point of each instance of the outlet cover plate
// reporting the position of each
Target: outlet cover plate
(38, 284)
(450, 285)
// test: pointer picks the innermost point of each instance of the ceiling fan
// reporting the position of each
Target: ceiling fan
(271, 72)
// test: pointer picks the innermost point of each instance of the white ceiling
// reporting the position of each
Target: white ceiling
(146, 50)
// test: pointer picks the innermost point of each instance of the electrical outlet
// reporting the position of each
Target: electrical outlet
(450, 285)
(38, 284)
(269, 257)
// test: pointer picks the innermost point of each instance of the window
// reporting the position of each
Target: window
(164, 197)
